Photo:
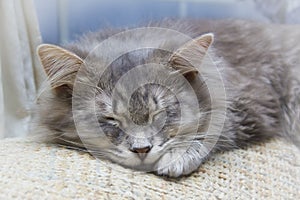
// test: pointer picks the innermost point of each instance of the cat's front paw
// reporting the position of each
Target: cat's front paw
(175, 164)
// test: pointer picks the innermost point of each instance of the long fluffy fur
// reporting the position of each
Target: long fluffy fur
(259, 66)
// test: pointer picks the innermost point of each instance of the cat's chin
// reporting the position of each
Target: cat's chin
(146, 165)
(139, 166)
(143, 167)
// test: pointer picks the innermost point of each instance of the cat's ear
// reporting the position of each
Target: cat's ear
(191, 52)
(60, 66)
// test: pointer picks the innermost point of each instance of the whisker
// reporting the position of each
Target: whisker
(93, 86)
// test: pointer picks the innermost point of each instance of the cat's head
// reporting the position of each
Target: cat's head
(133, 128)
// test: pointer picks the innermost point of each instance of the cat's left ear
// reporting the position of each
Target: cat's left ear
(60, 66)
(191, 52)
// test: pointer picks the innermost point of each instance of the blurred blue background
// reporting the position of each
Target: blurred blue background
(63, 20)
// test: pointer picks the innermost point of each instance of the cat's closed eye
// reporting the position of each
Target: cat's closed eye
(110, 120)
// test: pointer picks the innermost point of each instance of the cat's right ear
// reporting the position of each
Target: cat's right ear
(60, 66)
(191, 52)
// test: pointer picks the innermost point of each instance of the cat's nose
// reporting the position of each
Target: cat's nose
(141, 152)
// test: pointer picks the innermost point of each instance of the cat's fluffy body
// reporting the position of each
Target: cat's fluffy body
(259, 65)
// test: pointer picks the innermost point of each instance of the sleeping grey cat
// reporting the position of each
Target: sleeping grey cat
(258, 65)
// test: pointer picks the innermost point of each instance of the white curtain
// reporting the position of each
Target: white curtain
(20, 73)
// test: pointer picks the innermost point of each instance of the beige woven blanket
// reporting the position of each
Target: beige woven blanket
(36, 171)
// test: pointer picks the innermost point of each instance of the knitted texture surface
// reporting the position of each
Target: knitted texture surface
(31, 170)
